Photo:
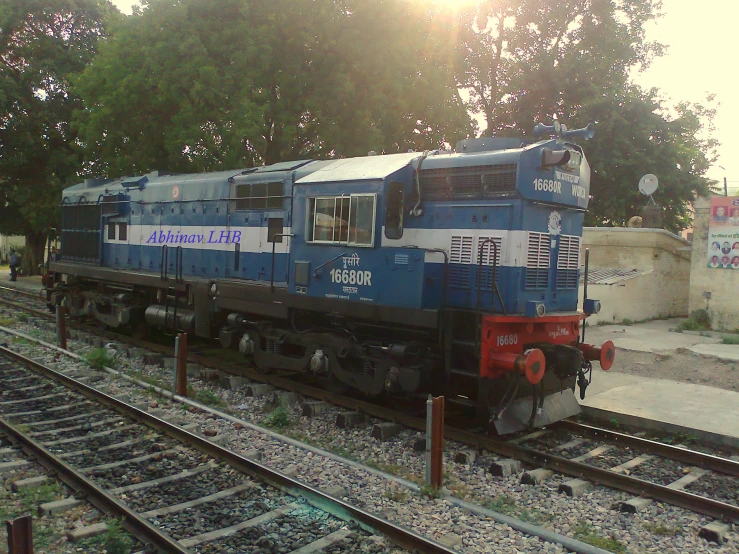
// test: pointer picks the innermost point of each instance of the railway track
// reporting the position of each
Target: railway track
(161, 478)
(649, 470)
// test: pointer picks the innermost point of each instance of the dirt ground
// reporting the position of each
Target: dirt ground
(679, 365)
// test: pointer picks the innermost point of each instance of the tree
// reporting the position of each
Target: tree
(636, 135)
(518, 56)
(43, 43)
(524, 61)
(234, 83)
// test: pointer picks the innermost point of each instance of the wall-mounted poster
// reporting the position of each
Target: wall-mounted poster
(723, 233)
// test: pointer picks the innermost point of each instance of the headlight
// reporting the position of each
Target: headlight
(573, 164)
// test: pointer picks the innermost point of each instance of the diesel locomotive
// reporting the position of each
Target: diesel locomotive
(452, 272)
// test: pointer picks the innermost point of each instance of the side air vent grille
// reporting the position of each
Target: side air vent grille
(81, 232)
(460, 260)
(537, 261)
(468, 183)
(568, 262)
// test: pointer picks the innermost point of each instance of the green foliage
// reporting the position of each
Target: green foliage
(146, 378)
(22, 318)
(232, 83)
(7, 322)
(730, 339)
(430, 491)
(115, 540)
(208, 397)
(699, 320)
(45, 43)
(278, 419)
(586, 533)
(662, 530)
(29, 499)
(535, 60)
(504, 504)
(99, 358)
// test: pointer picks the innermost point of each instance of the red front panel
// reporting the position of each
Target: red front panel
(511, 333)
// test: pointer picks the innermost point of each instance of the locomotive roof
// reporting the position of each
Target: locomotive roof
(368, 168)
(495, 157)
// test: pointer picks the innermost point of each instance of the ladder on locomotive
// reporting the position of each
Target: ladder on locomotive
(468, 347)
(171, 290)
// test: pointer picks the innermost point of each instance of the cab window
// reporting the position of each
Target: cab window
(342, 220)
(394, 206)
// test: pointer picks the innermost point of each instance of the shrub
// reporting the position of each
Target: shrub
(279, 419)
(99, 358)
(698, 321)
(730, 339)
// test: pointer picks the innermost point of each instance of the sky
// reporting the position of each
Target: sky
(699, 61)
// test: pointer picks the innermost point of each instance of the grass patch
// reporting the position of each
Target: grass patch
(208, 397)
(730, 339)
(586, 533)
(22, 318)
(430, 491)
(506, 505)
(681, 438)
(148, 379)
(278, 419)
(114, 541)
(99, 358)
(7, 322)
(661, 530)
(698, 321)
(20, 340)
(29, 499)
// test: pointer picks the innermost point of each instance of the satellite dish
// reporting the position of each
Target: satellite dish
(648, 184)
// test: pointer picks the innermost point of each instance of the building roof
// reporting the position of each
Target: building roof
(611, 275)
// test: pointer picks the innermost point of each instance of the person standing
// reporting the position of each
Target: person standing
(13, 265)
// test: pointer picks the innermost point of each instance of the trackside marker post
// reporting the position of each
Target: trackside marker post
(180, 353)
(434, 440)
(20, 535)
(61, 326)
(429, 426)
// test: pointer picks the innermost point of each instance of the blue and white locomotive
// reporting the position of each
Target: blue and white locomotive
(436, 272)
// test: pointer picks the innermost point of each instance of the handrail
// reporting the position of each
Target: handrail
(494, 287)
(272, 272)
(163, 263)
(315, 271)
(443, 293)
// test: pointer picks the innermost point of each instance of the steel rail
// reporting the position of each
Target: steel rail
(685, 455)
(402, 537)
(22, 292)
(605, 477)
(91, 492)
(626, 483)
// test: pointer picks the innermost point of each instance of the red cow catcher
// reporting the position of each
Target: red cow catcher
(529, 368)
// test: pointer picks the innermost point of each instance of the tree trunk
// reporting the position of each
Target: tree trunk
(34, 254)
